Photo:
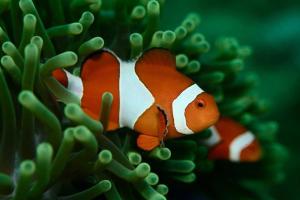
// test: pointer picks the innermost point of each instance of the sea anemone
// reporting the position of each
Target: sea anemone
(53, 150)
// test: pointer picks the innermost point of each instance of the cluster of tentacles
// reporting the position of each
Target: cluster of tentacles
(49, 150)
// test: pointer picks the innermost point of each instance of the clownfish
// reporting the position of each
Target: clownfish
(232, 141)
(150, 95)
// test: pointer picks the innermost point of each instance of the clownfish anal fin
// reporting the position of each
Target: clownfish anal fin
(147, 142)
(156, 57)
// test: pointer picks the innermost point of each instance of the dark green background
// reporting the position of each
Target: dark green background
(272, 29)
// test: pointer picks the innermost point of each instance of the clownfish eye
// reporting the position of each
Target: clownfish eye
(200, 103)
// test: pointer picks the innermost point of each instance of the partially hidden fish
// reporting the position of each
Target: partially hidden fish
(232, 141)
(150, 95)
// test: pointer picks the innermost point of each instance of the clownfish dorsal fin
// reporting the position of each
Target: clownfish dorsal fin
(157, 58)
(96, 63)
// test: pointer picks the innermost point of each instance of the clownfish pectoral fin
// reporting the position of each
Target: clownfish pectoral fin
(153, 127)
(156, 58)
(163, 123)
(147, 142)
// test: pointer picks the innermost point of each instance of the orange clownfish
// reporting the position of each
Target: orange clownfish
(231, 141)
(150, 95)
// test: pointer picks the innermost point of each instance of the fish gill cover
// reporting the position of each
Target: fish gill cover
(51, 150)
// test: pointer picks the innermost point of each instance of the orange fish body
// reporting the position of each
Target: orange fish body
(231, 141)
(150, 96)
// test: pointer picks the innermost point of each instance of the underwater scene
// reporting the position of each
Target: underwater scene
(149, 99)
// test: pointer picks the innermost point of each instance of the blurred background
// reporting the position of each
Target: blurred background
(272, 29)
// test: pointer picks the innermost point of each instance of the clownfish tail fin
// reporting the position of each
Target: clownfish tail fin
(61, 76)
(71, 82)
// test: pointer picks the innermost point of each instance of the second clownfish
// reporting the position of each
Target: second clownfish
(232, 141)
(150, 95)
